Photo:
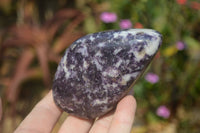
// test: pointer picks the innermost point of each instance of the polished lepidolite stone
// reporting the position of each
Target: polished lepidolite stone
(99, 69)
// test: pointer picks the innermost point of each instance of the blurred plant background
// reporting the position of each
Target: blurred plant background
(35, 33)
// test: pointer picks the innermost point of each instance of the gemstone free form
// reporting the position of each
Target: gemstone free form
(99, 69)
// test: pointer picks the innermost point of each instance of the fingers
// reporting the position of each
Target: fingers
(102, 124)
(75, 125)
(124, 116)
(42, 118)
(45, 114)
(119, 122)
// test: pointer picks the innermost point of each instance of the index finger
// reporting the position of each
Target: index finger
(124, 115)
(42, 118)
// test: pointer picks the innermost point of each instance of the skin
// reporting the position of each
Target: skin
(45, 114)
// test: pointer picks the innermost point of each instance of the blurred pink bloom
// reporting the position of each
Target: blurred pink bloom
(138, 25)
(108, 17)
(181, 2)
(125, 24)
(157, 55)
(180, 45)
(163, 111)
(152, 78)
(195, 5)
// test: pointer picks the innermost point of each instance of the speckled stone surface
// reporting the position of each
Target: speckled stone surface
(99, 69)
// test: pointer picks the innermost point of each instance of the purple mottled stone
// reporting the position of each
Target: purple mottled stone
(99, 69)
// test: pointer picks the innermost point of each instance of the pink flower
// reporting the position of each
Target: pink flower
(163, 111)
(152, 78)
(125, 24)
(157, 55)
(181, 2)
(138, 25)
(108, 17)
(180, 45)
(195, 5)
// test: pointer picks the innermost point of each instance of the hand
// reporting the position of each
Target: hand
(45, 114)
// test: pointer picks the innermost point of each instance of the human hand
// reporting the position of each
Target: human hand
(45, 114)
